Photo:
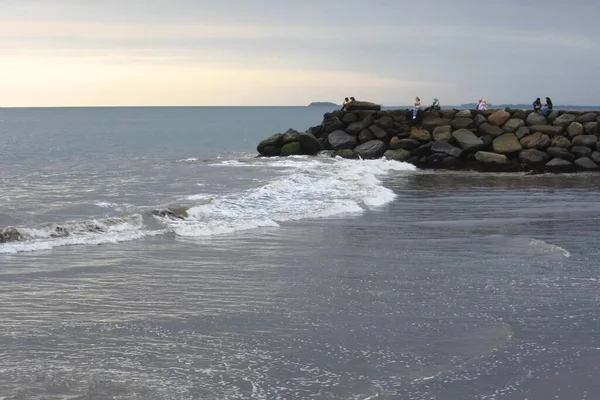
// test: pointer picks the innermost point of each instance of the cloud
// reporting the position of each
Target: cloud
(118, 33)
(296, 52)
(120, 82)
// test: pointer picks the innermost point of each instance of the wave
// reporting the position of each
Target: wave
(311, 188)
(50, 235)
(547, 248)
(306, 188)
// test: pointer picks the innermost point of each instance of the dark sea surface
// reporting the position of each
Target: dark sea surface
(159, 259)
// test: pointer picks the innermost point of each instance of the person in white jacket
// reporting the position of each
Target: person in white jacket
(416, 107)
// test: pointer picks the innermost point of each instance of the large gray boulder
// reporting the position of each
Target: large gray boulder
(560, 141)
(422, 135)
(309, 143)
(460, 123)
(587, 117)
(489, 129)
(581, 151)
(506, 144)
(558, 163)
(538, 141)
(591, 128)
(397, 155)
(349, 118)
(290, 136)
(432, 121)
(363, 106)
(354, 128)
(442, 133)
(478, 120)
(340, 140)
(371, 149)
(533, 157)
(564, 120)
(365, 135)
(512, 125)
(406, 144)
(586, 163)
(553, 115)
(267, 145)
(585, 140)
(491, 158)
(595, 157)
(446, 148)
(499, 117)
(368, 119)
(559, 152)
(333, 125)
(463, 114)
(290, 149)
(467, 140)
(10, 234)
(535, 118)
(547, 129)
(521, 114)
(574, 129)
(378, 132)
(346, 153)
(386, 122)
(522, 132)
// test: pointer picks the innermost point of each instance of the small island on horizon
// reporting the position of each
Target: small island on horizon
(323, 104)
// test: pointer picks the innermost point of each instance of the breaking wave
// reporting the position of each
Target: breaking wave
(306, 188)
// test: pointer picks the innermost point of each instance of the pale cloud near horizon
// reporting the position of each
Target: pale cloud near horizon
(155, 53)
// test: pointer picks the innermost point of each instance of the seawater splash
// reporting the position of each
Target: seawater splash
(304, 188)
(97, 231)
(548, 248)
(310, 188)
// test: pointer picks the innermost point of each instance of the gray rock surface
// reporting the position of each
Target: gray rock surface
(467, 140)
(371, 149)
(340, 140)
(446, 148)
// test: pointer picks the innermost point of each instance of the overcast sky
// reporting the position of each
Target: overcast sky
(284, 52)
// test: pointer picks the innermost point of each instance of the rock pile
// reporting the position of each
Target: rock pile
(491, 140)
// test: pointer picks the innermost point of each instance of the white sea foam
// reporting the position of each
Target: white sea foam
(114, 206)
(548, 248)
(94, 232)
(311, 188)
(188, 160)
(199, 196)
(306, 188)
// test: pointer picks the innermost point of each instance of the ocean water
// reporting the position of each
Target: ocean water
(158, 258)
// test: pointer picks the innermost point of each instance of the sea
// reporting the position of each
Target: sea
(148, 253)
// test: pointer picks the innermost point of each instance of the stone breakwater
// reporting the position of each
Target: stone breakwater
(491, 140)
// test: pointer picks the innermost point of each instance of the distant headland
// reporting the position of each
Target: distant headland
(324, 104)
(507, 139)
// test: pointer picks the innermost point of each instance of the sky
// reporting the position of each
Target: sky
(284, 52)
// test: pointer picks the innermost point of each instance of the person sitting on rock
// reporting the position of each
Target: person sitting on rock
(482, 105)
(547, 109)
(416, 107)
(346, 103)
(537, 105)
(435, 106)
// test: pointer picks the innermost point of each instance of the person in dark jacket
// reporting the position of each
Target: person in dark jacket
(547, 109)
(537, 104)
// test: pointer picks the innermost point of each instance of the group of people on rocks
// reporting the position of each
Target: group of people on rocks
(481, 105)
(545, 109)
(433, 107)
(347, 102)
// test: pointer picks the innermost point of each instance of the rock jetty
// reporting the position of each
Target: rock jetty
(491, 140)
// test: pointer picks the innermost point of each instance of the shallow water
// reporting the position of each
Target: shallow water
(296, 279)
